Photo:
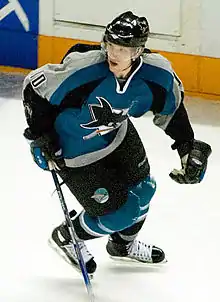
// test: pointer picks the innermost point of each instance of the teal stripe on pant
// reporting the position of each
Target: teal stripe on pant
(134, 209)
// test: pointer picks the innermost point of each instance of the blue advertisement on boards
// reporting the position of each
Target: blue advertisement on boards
(19, 26)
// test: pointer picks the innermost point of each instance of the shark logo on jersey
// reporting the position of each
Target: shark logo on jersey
(104, 118)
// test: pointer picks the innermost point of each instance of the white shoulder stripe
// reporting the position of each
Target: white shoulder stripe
(157, 60)
(55, 74)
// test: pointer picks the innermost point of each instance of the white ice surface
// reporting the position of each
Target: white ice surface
(184, 220)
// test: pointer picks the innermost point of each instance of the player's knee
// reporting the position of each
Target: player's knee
(136, 206)
(145, 190)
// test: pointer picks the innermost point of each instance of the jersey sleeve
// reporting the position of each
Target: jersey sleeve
(40, 114)
(45, 88)
(38, 87)
(168, 101)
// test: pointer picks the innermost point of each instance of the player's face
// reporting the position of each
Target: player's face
(120, 58)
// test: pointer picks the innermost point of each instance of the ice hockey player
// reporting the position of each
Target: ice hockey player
(78, 114)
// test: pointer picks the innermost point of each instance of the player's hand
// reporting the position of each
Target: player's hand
(43, 150)
(41, 157)
(194, 164)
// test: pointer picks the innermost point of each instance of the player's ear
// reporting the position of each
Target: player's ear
(139, 51)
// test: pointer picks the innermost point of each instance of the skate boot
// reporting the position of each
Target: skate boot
(60, 241)
(135, 250)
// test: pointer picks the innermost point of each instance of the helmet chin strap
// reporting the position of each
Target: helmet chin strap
(124, 76)
(128, 66)
(133, 61)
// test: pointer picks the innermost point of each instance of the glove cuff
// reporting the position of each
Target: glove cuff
(183, 148)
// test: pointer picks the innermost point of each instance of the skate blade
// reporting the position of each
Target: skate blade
(61, 253)
(126, 260)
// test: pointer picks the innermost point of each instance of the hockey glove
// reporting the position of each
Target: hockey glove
(41, 157)
(194, 162)
(43, 150)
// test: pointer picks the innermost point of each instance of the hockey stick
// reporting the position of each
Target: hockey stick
(72, 233)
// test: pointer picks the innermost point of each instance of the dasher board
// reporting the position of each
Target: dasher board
(163, 16)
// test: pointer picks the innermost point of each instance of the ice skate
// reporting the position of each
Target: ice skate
(135, 251)
(60, 241)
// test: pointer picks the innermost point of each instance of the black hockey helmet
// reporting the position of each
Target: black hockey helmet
(127, 30)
